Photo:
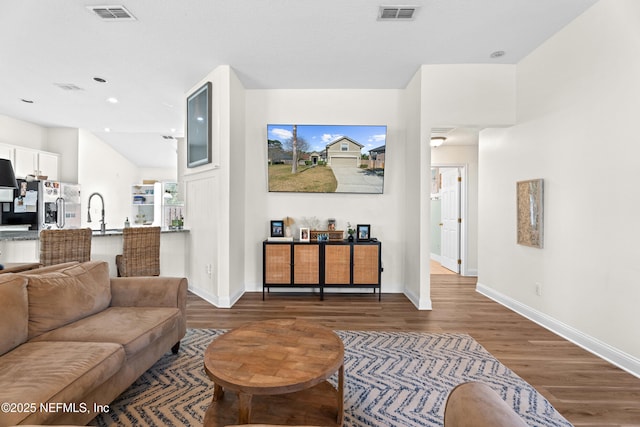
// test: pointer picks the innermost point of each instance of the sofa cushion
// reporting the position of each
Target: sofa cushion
(61, 297)
(54, 372)
(14, 316)
(135, 328)
(50, 268)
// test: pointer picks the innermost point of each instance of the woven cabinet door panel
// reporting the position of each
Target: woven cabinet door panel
(277, 264)
(337, 264)
(306, 264)
(365, 264)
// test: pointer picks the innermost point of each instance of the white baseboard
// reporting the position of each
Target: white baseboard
(420, 304)
(435, 257)
(224, 302)
(593, 345)
(472, 272)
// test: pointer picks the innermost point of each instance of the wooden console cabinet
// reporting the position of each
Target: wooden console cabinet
(322, 265)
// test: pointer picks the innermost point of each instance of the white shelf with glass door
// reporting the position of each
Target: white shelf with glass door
(146, 202)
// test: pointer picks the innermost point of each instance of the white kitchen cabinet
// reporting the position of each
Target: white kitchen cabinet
(25, 162)
(6, 152)
(34, 162)
(48, 165)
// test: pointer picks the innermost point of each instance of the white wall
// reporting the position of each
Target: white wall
(25, 134)
(86, 159)
(229, 206)
(415, 261)
(238, 201)
(64, 141)
(158, 174)
(384, 212)
(468, 95)
(465, 155)
(578, 102)
(476, 95)
(214, 197)
(102, 169)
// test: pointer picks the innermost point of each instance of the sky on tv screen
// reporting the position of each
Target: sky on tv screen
(318, 136)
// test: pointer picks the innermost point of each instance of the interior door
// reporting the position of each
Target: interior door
(450, 210)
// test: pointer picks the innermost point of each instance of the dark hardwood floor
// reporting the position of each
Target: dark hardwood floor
(587, 390)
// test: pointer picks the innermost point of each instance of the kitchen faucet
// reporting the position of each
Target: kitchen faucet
(103, 226)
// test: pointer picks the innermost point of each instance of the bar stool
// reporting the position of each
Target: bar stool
(58, 246)
(140, 252)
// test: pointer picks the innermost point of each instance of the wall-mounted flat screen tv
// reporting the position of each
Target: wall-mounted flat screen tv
(326, 158)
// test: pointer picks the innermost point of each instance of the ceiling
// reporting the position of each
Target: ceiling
(50, 52)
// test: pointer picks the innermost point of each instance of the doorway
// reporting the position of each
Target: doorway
(448, 228)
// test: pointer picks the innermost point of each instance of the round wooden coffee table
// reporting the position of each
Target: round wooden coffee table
(278, 371)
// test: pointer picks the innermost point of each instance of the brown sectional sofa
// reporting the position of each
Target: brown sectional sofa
(71, 337)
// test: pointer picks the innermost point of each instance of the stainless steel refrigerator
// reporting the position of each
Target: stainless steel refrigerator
(59, 205)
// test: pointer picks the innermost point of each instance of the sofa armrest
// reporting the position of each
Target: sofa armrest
(149, 292)
(474, 404)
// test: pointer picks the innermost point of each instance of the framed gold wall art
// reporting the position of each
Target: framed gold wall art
(530, 198)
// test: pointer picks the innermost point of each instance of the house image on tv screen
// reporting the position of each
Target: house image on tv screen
(344, 152)
(326, 158)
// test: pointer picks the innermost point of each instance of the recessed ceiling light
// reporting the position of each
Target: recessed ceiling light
(497, 54)
(26, 101)
(100, 79)
(107, 130)
(112, 100)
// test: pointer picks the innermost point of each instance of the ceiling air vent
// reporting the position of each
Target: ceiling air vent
(68, 86)
(112, 13)
(397, 13)
(440, 131)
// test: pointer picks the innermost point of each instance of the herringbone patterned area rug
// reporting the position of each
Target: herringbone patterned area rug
(391, 379)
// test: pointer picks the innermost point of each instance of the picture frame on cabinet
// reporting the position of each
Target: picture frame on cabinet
(363, 232)
(277, 228)
(305, 234)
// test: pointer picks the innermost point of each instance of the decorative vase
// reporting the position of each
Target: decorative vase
(287, 231)
(351, 237)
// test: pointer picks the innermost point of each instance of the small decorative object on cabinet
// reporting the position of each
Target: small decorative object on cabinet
(304, 234)
(350, 231)
(322, 265)
(277, 229)
(288, 222)
(364, 232)
(330, 235)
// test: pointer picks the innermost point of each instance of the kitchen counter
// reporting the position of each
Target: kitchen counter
(24, 246)
(118, 231)
(19, 235)
(35, 235)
